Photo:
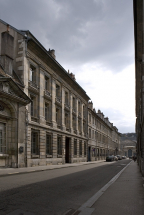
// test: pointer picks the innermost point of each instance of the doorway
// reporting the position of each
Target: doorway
(89, 153)
(67, 150)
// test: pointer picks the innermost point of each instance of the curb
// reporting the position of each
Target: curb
(40, 170)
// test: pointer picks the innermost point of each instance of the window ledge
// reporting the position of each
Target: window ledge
(59, 156)
(3, 155)
(49, 156)
(35, 156)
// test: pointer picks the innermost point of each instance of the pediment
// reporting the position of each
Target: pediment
(11, 90)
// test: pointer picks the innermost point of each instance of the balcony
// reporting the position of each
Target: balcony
(47, 94)
(33, 86)
(74, 111)
(67, 106)
(79, 114)
(58, 100)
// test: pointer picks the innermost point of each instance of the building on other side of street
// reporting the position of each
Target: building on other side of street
(43, 110)
(43, 117)
(103, 137)
(139, 79)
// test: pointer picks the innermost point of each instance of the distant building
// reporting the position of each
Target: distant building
(128, 144)
(138, 6)
(103, 137)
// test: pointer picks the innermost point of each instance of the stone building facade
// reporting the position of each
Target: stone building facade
(103, 137)
(139, 77)
(43, 110)
(52, 128)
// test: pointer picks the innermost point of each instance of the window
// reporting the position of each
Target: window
(48, 144)
(66, 120)
(80, 148)
(46, 83)
(89, 118)
(74, 103)
(79, 107)
(79, 125)
(46, 111)
(59, 145)
(35, 143)
(93, 134)
(74, 122)
(2, 138)
(84, 148)
(57, 116)
(75, 147)
(93, 120)
(57, 90)
(89, 133)
(32, 74)
(66, 98)
(32, 106)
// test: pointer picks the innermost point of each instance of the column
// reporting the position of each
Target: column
(76, 115)
(71, 126)
(63, 112)
(82, 120)
(41, 98)
(53, 103)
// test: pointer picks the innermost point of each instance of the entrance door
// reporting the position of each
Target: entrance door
(129, 153)
(89, 152)
(67, 146)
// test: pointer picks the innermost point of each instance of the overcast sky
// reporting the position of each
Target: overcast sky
(94, 39)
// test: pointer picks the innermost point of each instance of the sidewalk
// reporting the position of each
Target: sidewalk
(124, 196)
(10, 171)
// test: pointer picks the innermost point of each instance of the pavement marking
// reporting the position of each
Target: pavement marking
(88, 204)
(13, 172)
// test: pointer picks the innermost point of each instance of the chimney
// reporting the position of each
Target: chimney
(90, 105)
(52, 53)
(72, 75)
(7, 51)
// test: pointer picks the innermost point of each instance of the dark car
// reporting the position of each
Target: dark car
(110, 158)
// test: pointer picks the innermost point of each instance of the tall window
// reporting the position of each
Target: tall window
(75, 147)
(84, 148)
(46, 111)
(89, 133)
(35, 143)
(32, 106)
(48, 144)
(66, 98)
(79, 125)
(80, 148)
(46, 83)
(79, 107)
(59, 145)
(57, 90)
(66, 120)
(32, 74)
(57, 115)
(89, 118)
(74, 122)
(2, 138)
(74, 103)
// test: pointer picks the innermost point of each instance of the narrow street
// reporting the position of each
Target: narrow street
(55, 191)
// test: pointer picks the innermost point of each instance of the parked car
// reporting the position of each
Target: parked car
(119, 157)
(123, 157)
(110, 158)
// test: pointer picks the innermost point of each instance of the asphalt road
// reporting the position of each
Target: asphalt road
(54, 192)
